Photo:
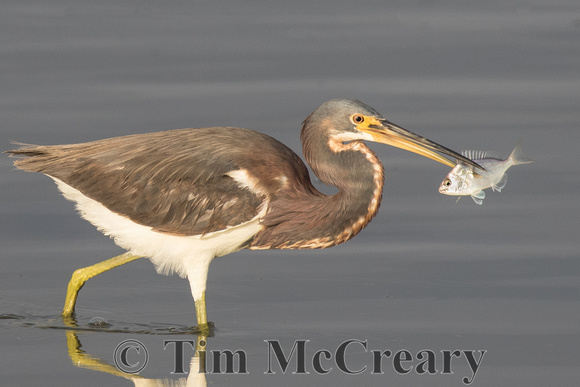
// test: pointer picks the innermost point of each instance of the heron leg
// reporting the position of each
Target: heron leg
(197, 268)
(80, 276)
(200, 311)
(205, 328)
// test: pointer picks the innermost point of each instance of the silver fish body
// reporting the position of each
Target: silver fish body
(463, 180)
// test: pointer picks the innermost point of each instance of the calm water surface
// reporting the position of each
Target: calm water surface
(426, 278)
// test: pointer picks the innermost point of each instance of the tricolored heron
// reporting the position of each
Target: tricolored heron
(183, 197)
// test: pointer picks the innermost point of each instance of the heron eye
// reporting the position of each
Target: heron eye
(358, 118)
(447, 182)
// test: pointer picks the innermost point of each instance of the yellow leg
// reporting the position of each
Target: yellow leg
(80, 276)
(201, 314)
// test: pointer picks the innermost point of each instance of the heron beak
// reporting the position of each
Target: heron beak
(388, 133)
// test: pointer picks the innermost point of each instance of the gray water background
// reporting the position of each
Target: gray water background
(427, 273)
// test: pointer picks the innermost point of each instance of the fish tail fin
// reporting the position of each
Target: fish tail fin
(517, 157)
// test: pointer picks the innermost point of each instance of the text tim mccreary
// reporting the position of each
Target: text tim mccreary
(298, 360)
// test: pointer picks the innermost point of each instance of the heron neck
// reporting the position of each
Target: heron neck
(359, 176)
(313, 220)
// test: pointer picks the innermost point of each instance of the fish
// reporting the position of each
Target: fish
(463, 180)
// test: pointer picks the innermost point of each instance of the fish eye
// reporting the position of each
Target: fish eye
(358, 118)
(447, 182)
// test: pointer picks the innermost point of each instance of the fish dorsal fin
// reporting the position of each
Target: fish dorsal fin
(500, 184)
(478, 197)
(482, 155)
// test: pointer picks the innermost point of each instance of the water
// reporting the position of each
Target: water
(428, 276)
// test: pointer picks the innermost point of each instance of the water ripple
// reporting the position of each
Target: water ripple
(58, 322)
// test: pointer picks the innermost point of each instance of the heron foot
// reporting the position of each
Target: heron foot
(206, 329)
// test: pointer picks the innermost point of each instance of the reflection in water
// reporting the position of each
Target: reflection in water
(82, 359)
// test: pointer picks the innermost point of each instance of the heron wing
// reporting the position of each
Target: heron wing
(174, 181)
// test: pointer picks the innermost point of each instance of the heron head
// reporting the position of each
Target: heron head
(350, 120)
